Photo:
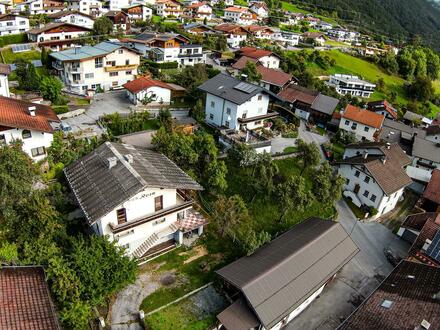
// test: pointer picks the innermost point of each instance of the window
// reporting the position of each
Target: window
(9, 24)
(121, 51)
(244, 115)
(67, 37)
(84, 88)
(114, 83)
(211, 116)
(128, 72)
(121, 215)
(158, 203)
(76, 76)
(258, 122)
(347, 181)
(26, 134)
(159, 221)
(260, 97)
(347, 122)
(366, 193)
(89, 75)
(38, 151)
(354, 125)
(366, 129)
(98, 62)
(367, 179)
(373, 198)
(127, 62)
(228, 111)
(2, 139)
(114, 74)
(212, 104)
(357, 173)
(227, 124)
(111, 63)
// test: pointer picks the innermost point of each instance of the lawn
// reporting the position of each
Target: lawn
(241, 3)
(9, 57)
(290, 150)
(295, 9)
(156, 19)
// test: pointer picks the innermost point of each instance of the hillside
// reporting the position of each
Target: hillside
(399, 20)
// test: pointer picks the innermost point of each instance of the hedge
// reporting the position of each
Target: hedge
(166, 65)
(13, 39)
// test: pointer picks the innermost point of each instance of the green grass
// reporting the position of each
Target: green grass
(290, 150)
(190, 276)
(357, 211)
(156, 19)
(179, 316)
(9, 57)
(241, 3)
(295, 9)
(79, 101)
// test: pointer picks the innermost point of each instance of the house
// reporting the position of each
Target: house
(138, 12)
(308, 104)
(352, 85)
(433, 133)
(237, 108)
(323, 26)
(33, 124)
(167, 47)
(259, 8)
(314, 38)
(25, 299)
(397, 132)
(431, 195)
(5, 70)
(73, 17)
(294, 18)
(384, 108)
(198, 28)
(240, 15)
(265, 57)
(168, 8)
(200, 10)
(406, 299)
(414, 223)
(35, 7)
(343, 35)
(91, 8)
(426, 154)
(104, 66)
(364, 124)
(411, 118)
(259, 31)
(117, 5)
(287, 39)
(13, 24)
(120, 20)
(374, 174)
(136, 197)
(156, 91)
(235, 34)
(57, 35)
(278, 281)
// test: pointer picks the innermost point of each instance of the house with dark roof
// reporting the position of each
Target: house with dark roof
(25, 301)
(364, 124)
(426, 154)
(414, 223)
(120, 19)
(375, 175)
(383, 107)
(237, 107)
(150, 90)
(31, 123)
(433, 133)
(135, 196)
(309, 104)
(407, 299)
(278, 281)
(431, 196)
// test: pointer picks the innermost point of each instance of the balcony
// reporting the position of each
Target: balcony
(120, 67)
(190, 55)
(9, 27)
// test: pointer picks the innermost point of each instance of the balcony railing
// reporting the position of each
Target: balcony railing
(120, 67)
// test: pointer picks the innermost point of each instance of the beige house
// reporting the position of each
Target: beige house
(104, 66)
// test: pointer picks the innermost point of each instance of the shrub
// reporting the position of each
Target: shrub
(13, 39)
(166, 65)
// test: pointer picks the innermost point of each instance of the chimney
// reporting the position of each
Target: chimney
(129, 158)
(365, 154)
(388, 145)
(244, 77)
(32, 111)
(111, 162)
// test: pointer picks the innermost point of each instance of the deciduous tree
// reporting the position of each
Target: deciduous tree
(292, 194)
(308, 153)
(227, 213)
(102, 26)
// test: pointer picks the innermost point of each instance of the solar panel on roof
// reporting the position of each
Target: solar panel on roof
(37, 63)
(21, 48)
(245, 87)
(434, 249)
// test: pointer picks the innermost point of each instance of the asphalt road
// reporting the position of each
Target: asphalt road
(357, 279)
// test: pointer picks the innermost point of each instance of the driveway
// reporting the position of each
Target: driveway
(310, 137)
(280, 143)
(357, 279)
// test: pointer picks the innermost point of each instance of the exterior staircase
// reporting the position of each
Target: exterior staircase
(152, 240)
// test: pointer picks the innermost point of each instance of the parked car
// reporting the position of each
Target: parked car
(328, 153)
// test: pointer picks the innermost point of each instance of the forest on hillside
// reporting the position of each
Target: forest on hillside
(399, 20)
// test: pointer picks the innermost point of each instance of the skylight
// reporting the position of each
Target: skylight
(386, 304)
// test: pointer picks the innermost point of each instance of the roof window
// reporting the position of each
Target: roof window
(386, 304)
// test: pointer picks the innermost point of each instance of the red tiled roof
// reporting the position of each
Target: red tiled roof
(295, 93)
(230, 28)
(15, 113)
(236, 9)
(418, 220)
(25, 301)
(274, 77)
(142, 83)
(432, 191)
(256, 28)
(240, 64)
(363, 116)
(254, 52)
(382, 105)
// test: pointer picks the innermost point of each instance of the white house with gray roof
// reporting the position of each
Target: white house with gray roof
(137, 197)
(106, 65)
(352, 85)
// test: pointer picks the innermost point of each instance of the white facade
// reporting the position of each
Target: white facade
(145, 13)
(12, 24)
(106, 72)
(119, 4)
(35, 143)
(240, 15)
(234, 40)
(50, 36)
(183, 54)
(158, 95)
(361, 131)
(344, 35)
(77, 19)
(286, 38)
(201, 12)
(88, 7)
(271, 61)
(168, 8)
(36, 7)
(259, 10)
(224, 113)
(348, 84)
(4, 85)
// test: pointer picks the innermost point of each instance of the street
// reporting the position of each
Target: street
(357, 279)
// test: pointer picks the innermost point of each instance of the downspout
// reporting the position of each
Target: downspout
(223, 112)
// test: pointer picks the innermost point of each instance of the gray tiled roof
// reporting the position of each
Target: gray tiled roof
(99, 189)
(426, 150)
(280, 276)
(325, 104)
(222, 85)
